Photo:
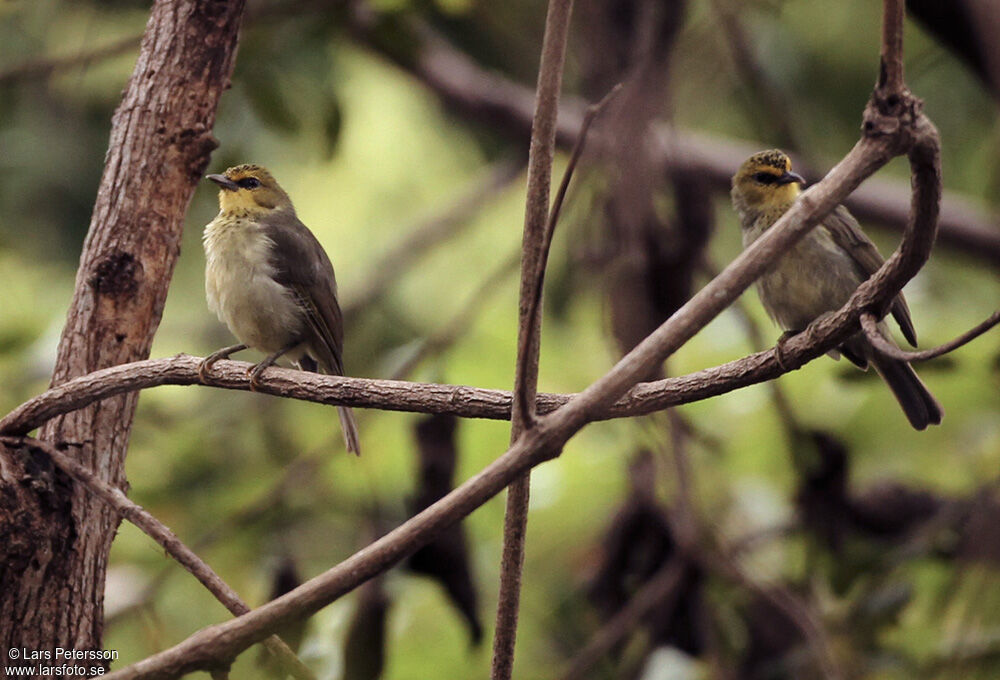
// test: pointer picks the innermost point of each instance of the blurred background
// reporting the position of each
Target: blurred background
(778, 531)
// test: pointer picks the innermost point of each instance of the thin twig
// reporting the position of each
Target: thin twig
(659, 593)
(540, 157)
(533, 316)
(448, 334)
(870, 325)
(173, 546)
(41, 68)
(421, 239)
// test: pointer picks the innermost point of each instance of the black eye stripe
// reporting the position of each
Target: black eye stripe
(249, 182)
(765, 177)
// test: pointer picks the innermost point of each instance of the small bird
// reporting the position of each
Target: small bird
(270, 281)
(821, 272)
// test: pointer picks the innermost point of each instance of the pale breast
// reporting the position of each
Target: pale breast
(816, 276)
(241, 290)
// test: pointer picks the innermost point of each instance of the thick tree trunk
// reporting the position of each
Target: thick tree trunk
(54, 536)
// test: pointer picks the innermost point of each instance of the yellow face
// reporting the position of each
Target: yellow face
(765, 181)
(249, 188)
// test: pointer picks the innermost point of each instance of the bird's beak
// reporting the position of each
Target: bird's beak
(790, 177)
(223, 182)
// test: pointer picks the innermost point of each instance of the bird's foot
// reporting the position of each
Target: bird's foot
(780, 349)
(206, 364)
(255, 372)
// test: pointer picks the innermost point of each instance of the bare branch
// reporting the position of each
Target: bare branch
(870, 325)
(534, 316)
(534, 251)
(890, 76)
(394, 395)
(173, 546)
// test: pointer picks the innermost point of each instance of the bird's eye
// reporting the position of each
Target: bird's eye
(249, 182)
(765, 177)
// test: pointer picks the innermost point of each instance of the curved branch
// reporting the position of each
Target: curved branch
(869, 323)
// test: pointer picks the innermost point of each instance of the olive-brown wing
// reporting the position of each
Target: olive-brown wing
(301, 265)
(848, 235)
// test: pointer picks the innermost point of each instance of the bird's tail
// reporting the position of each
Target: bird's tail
(350, 428)
(919, 405)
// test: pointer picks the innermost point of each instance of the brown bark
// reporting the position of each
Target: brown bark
(536, 213)
(52, 569)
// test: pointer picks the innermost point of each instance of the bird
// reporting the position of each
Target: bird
(270, 281)
(819, 274)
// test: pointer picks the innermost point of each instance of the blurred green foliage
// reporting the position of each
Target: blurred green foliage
(366, 151)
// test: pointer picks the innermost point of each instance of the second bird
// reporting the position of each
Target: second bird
(819, 274)
(270, 281)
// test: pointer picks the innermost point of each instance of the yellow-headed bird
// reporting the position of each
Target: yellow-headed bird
(270, 281)
(821, 272)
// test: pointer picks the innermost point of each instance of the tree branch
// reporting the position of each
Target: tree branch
(869, 322)
(533, 262)
(168, 540)
(891, 62)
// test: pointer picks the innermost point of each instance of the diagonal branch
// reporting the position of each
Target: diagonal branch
(428, 234)
(659, 593)
(168, 540)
